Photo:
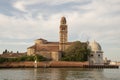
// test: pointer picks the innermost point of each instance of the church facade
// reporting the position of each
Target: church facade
(52, 50)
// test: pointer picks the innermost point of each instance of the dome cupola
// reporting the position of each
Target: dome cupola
(94, 46)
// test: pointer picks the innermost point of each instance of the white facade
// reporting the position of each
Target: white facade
(96, 55)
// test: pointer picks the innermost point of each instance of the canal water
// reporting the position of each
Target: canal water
(59, 74)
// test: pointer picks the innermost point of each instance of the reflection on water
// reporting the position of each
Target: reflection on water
(59, 74)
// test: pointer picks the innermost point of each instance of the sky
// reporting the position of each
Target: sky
(23, 21)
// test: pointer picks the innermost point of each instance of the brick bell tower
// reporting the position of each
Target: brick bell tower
(63, 34)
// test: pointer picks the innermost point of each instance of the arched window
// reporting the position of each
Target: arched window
(91, 55)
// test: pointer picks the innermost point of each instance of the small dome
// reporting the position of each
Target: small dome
(94, 46)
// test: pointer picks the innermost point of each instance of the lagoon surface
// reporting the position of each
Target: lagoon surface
(59, 74)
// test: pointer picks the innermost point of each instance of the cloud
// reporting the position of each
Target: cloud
(14, 43)
(26, 27)
(20, 6)
(86, 19)
(93, 18)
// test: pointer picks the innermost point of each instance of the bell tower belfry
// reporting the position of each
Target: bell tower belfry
(63, 34)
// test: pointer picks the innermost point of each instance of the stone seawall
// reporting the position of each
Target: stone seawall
(51, 64)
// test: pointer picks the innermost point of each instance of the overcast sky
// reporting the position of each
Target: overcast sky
(23, 21)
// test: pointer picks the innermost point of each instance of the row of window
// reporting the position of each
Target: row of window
(93, 55)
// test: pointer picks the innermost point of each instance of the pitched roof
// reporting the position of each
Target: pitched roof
(41, 39)
(33, 46)
(49, 46)
(52, 42)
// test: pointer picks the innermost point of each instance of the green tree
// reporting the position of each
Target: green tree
(11, 52)
(76, 52)
(6, 51)
(3, 52)
(17, 51)
(22, 58)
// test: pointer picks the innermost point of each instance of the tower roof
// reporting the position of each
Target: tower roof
(63, 20)
(94, 46)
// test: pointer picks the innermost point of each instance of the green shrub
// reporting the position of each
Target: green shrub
(3, 60)
(23, 58)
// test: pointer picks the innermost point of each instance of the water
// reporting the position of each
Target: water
(59, 74)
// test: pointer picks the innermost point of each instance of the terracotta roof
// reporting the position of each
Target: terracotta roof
(41, 39)
(52, 42)
(58, 43)
(69, 43)
(47, 48)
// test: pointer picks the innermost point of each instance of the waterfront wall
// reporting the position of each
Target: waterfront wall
(42, 64)
(53, 64)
